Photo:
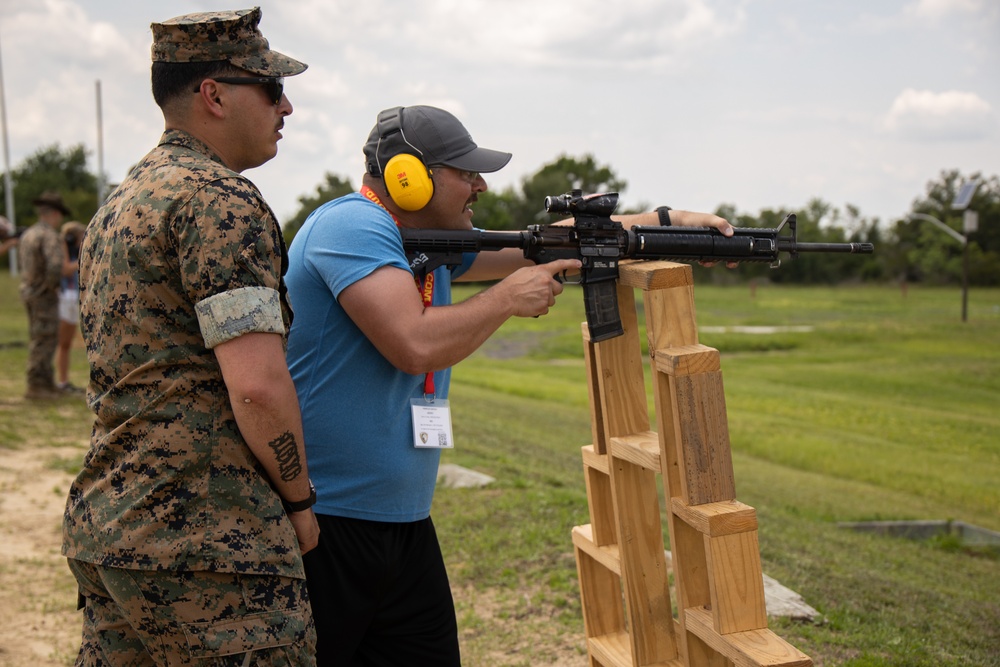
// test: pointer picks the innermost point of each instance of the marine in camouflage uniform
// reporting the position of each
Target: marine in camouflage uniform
(42, 255)
(176, 528)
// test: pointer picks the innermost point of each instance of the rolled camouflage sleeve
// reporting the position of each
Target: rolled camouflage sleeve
(231, 261)
(231, 314)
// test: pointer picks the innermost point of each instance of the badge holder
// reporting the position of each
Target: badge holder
(431, 419)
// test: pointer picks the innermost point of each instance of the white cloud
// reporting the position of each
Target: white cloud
(577, 33)
(937, 9)
(71, 39)
(950, 115)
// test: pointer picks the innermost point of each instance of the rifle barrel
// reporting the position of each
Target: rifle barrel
(852, 248)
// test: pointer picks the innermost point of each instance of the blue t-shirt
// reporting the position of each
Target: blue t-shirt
(355, 404)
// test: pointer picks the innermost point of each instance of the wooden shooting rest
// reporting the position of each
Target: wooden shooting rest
(625, 593)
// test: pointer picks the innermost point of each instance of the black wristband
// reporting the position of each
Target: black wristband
(300, 505)
(664, 214)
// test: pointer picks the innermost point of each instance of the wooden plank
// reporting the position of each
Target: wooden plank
(753, 648)
(690, 565)
(715, 519)
(613, 650)
(670, 318)
(599, 499)
(618, 379)
(705, 456)
(668, 431)
(642, 449)
(668, 363)
(736, 581)
(670, 323)
(688, 360)
(597, 425)
(600, 596)
(654, 275)
(701, 654)
(643, 565)
(592, 459)
(606, 555)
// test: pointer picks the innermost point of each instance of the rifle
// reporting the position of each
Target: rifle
(11, 233)
(600, 243)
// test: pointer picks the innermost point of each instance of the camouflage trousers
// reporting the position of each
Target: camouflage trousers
(205, 619)
(43, 335)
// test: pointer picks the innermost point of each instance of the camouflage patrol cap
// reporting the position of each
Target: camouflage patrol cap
(229, 35)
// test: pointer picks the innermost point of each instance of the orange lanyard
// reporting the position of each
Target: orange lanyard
(426, 290)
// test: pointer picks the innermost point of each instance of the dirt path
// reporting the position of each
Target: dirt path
(39, 624)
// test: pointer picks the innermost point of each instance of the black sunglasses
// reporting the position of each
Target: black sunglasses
(274, 86)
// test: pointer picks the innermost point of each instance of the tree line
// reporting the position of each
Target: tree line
(909, 249)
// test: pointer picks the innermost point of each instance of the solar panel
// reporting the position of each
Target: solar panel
(964, 196)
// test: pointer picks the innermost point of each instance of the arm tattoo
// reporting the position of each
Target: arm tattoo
(286, 452)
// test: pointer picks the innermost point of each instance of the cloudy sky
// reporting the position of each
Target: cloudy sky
(756, 103)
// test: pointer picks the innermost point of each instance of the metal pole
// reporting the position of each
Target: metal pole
(970, 221)
(101, 185)
(8, 181)
(965, 281)
(964, 240)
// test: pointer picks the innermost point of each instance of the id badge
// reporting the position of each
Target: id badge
(431, 423)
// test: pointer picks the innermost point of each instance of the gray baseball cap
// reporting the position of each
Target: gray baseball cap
(431, 134)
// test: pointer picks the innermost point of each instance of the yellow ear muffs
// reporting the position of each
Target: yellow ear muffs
(408, 182)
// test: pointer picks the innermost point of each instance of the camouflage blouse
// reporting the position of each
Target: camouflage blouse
(41, 253)
(184, 255)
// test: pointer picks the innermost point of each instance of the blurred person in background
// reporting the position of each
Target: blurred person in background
(69, 304)
(42, 258)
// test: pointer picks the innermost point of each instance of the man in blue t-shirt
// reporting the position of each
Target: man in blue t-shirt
(370, 350)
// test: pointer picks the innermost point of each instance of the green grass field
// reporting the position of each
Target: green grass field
(885, 409)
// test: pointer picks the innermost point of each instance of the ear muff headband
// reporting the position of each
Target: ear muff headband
(406, 177)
